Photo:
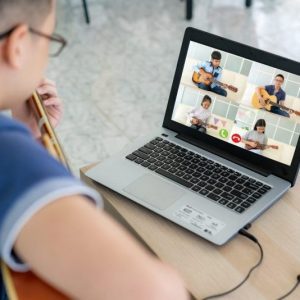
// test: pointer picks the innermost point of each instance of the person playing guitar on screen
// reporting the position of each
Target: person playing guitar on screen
(198, 116)
(276, 90)
(256, 139)
(213, 67)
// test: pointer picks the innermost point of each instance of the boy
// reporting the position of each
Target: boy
(213, 67)
(275, 89)
(48, 220)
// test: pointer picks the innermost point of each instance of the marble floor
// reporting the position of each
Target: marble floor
(115, 75)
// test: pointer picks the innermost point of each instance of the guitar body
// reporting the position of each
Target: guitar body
(202, 77)
(24, 286)
(268, 99)
(207, 79)
(259, 146)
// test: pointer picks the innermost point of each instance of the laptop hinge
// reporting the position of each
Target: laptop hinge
(223, 154)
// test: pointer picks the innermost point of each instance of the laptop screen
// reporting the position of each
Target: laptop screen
(240, 101)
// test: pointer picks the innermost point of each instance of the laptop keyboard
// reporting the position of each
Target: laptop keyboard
(218, 183)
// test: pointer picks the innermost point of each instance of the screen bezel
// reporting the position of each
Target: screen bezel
(226, 149)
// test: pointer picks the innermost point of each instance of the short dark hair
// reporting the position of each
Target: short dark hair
(216, 55)
(260, 123)
(206, 98)
(31, 12)
(280, 75)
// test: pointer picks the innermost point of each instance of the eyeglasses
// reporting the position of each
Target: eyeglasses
(56, 47)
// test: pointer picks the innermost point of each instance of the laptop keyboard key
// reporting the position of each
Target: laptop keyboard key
(262, 191)
(194, 180)
(217, 191)
(238, 187)
(208, 173)
(251, 200)
(227, 196)
(239, 194)
(223, 179)
(174, 178)
(145, 164)
(219, 185)
(180, 173)
(196, 188)
(204, 177)
(150, 146)
(145, 150)
(154, 142)
(131, 157)
(223, 201)
(247, 191)
(139, 161)
(166, 167)
(151, 160)
(266, 187)
(256, 195)
(211, 181)
(245, 204)
(210, 187)
(250, 185)
(173, 170)
(231, 205)
(227, 188)
(204, 192)
(189, 171)
(182, 168)
(152, 167)
(240, 209)
(237, 200)
(158, 163)
(187, 177)
(214, 197)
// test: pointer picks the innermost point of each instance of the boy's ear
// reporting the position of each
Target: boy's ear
(15, 47)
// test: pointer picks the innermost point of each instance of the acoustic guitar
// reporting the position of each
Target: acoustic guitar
(27, 286)
(259, 146)
(268, 101)
(208, 78)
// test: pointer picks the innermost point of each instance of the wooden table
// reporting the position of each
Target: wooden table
(209, 269)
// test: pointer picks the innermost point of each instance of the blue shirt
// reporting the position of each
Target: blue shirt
(29, 179)
(280, 95)
(208, 67)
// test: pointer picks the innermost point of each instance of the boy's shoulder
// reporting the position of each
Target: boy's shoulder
(9, 125)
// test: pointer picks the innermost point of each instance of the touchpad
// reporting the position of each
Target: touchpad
(155, 191)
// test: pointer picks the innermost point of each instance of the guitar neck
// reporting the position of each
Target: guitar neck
(278, 105)
(219, 83)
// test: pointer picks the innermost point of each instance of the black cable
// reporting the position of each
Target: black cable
(292, 290)
(254, 239)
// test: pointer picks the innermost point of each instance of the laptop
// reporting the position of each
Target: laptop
(227, 150)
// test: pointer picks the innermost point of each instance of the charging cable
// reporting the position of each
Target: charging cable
(292, 290)
(251, 237)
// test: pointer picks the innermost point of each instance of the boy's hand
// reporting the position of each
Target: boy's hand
(47, 90)
(23, 112)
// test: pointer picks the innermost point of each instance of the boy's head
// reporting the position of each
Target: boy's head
(206, 102)
(278, 80)
(216, 58)
(23, 54)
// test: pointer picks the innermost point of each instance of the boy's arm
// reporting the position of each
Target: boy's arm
(82, 252)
